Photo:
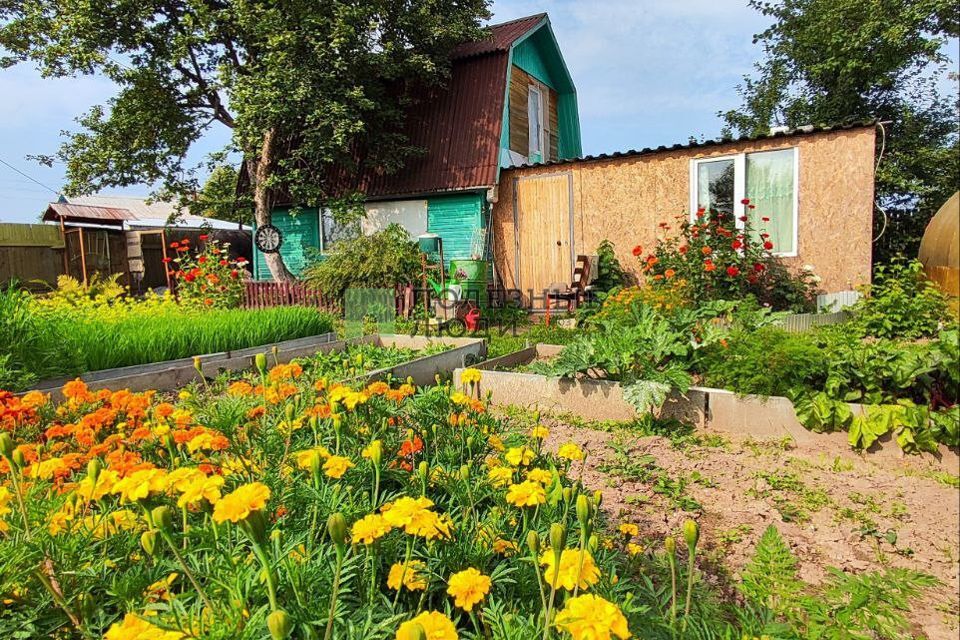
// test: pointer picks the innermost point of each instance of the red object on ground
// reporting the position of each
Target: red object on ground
(472, 319)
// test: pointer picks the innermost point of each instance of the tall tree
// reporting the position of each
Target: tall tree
(827, 61)
(303, 85)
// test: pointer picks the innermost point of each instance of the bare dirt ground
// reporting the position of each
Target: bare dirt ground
(835, 509)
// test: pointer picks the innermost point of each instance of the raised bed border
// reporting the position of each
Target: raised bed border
(762, 418)
(164, 376)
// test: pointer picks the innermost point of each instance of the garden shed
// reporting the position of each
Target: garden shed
(815, 185)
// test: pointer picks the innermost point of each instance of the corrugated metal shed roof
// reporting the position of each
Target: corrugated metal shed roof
(800, 131)
(126, 210)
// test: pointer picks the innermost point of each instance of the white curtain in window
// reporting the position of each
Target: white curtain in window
(770, 188)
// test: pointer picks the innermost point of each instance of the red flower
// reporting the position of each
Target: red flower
(223, 262)
(669, 273)
(189, 277)
(683, 248)
(745, 201)
(234, 274)
(202, 259)
(174, 245)
(637, 250)
(765, 219)
(203, 237)
(758, 267)
(167, 260)
(709, 266)
(750, 206)
(207, 301)
(768, 245)
(185, 241)
(183, 248)
(733, 271)
(706, 251)
(242, 261)
(701, 212)
(752, 279)
(736, 244)
(743, 218)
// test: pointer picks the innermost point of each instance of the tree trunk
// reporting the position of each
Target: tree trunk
(259, 168)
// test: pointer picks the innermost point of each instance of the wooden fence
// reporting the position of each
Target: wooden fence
(262, 295)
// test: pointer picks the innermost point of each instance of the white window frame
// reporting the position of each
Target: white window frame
(740, 190)
(538, 135)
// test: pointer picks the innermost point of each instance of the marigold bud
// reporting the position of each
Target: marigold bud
(6, 445)
(465, 472)
(533, 542)
(558, 537)
(162, 518)
(417, 633)
(279, 624)
(567, 495)
(260, 361)
(148, 540)
(18, 460)
(94, 467)
(583, 510)
(691, 534)
(198, 364)
(423, 469)
(670, 545)
(337, 528)
(289, 413)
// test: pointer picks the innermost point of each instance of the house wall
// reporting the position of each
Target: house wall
(520, 82)
(300, 233)
(455, 218)
(409, 214)
(624, 200)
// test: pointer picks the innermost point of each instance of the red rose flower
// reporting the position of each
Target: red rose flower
(733, 271)
(189, 277)
(234, 274)
(736, 244)
(758, 267)
(637, 250)
(768, 245)
(745, 201)
(701, 212)
(743, 218)
(202, 259)
(752, 279)
(750, 206)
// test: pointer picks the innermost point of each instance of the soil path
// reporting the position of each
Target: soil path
(835, 509)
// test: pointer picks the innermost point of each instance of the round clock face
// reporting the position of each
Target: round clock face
(268, 238)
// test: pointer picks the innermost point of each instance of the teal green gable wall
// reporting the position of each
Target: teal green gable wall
(300, 233)
(539, 55)
(455, 218)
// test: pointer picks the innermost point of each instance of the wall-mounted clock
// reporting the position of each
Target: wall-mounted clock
(268, 238)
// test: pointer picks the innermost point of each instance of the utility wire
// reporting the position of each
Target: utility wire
(30, 178)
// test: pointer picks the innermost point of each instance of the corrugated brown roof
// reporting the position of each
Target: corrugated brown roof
(85, 213)
(458, 128)
(501, 37)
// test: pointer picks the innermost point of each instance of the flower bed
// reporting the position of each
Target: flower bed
(284, 503)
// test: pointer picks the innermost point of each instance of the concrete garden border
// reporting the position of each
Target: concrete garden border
(171, 374)
(749, 416)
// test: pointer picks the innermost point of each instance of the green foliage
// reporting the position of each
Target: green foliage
(901, 303)
(819, 412)
(30, 349)
(714, 259)
(610, 273)
(507, 341)
(826, 61)
(219, 198)
(380, 260)
(768, 362)
(945, 426)
(847, 606)
(908, 422)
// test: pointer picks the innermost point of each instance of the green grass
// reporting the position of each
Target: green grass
(68, 343)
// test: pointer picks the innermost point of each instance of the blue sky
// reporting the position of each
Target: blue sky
(648, 72)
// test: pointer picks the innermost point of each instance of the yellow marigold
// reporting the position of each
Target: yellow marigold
(430, 525)
(468, 587)
(240, 388)
(46, 469)
(285, 372)
(571, 571)
(500, 476)
(495, 443)
(517, 456)
(370, 528)
(305, 458)
(570, 451)
(5, 497)
(336, 466)
(352, 400)
(139, 485)
(410, 576)
(112, 523)
(504, 547)
(402, 511)
(539, 432)
(434, 625)
(136, 628)
(459, 398)
(200, 488)
(59, 520)
(629, 529)
(378, 388)
(34, 399)
(526, 494)
(238, 505)
(634, 549)
(470, 376)
(590, 617)
(373, 451)
(540, 475)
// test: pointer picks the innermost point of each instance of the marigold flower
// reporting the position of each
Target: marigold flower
(468, 587)
(5, 497)
(634, 549)
(410, 575)
(629, 529)
(540, 475)
(244, 500)
(706, 250)
(539, 432)
(470, 376)
(370, 528)
(504, 547)
(305, 458)
(526, 494)
(590, 617)
(434, 625)
(572, 571)
(134, 627)
(500, 476)
(139, 485)
(336, 466)
(519, 456)
(570, 451)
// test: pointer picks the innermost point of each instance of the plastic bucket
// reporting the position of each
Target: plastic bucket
(472, 277)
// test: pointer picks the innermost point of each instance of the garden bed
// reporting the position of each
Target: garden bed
(753, 416)
(171, 374)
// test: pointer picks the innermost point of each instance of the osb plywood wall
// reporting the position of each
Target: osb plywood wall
(625, 199)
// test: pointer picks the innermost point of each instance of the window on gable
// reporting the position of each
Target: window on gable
(767, 178)
(535, 119)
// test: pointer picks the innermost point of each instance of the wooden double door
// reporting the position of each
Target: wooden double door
(543, 224)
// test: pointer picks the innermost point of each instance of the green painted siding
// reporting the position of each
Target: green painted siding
(455, 218)
(300, 233)
(527, 55)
